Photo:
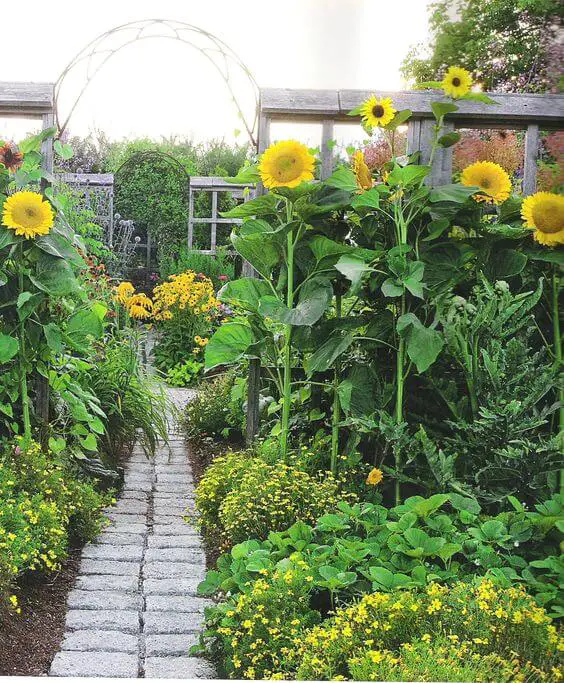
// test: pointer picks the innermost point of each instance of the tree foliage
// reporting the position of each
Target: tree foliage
(510, 45)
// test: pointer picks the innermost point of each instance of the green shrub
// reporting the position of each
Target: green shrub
(242, 497)
(224, 474)
(184, 374)
(478, 618)
(217, 409)
(44, 506)
(133, 402)
(247, 635)
(219, 268)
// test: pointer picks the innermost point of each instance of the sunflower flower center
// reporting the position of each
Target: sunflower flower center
(27, 216)
(287, 168)
(548, 216)
(456, 81)
(378, 111)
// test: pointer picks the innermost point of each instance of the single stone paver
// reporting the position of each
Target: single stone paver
(105, 641)
(178, 667)
(135, 609)
(99, 664)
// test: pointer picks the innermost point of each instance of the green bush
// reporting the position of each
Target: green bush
(242, 497)
(184, 374)
(217, 409)
(133, 403)
(479, 619)
(44, 506)
(219, 268)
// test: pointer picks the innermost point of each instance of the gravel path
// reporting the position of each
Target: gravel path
(134, 611)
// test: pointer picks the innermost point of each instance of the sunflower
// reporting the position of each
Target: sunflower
(286, 164)
(361, 171)
(377, 112)
(457, 82)
(375, 476)
(10, 157)
(543, 212)
(139, 306)
(123, 292)
(492, 179)
(28, 214)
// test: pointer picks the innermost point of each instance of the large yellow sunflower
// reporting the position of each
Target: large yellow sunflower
(286, 164)
(28, 214)
(361, 171)
(457, 82)
(543, 212)
(377, 111)
(492, 179)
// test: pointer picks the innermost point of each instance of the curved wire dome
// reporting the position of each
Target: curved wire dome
(92, 58)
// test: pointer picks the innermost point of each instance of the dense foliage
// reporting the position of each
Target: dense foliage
(510, 45)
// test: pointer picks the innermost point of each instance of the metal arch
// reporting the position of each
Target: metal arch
(218, 53)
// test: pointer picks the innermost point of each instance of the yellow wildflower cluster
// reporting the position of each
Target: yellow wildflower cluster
(39, 503)
(186, 293)
(487, 619)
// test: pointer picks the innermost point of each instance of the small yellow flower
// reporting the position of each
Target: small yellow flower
(377, 111)
(457, 82)
(123, 291)
(28, 214)
(492, 179)
(375, 476)
(361, 171)
(543, 212)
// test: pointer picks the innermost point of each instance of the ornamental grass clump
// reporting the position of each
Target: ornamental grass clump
(476, 620)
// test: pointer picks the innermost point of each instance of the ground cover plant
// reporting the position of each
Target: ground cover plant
(410, 351)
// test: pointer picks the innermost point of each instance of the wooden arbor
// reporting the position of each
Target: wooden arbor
(530, 113)
(31, 101)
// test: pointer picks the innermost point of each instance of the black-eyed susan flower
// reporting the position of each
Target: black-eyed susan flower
(457, 82)
(361, 171)
(10, 157)
(28, 214)
(139, 306)
(492, 179)
(543, 212)
(123, 292)
(375, 476)
(286, 164)
(377, 111)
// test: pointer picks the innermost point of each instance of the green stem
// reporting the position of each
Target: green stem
(400, 381)
(336, 418)
(22, 361)
(287, 354)
(558, 360)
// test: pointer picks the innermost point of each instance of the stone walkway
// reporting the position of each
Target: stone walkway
(134, 611)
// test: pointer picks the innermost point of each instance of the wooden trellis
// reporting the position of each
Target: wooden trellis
(531, 113)
(215, 186)
(97, 194)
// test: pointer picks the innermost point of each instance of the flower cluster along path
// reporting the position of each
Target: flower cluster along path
(134, 611)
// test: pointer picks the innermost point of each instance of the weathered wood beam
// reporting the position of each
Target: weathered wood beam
(26, 99)
(511, 108)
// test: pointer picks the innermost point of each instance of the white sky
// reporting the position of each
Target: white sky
(161, 87)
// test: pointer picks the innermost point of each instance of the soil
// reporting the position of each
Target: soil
(29, 641)
(201, 453)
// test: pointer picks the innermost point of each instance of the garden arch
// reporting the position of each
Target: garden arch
(155, 159)
(94, 56)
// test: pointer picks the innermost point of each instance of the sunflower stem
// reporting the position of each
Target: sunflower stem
(336, 417)
(287, 353)
(558, 360)
(22, 361)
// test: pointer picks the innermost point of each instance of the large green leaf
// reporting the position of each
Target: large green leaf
(443, 108)
(7, 237)
(259, 249)
(343, 179)
(326, 355)
(353, 268)
(228, 345)
(505, 263)
(54, 276)
(53, 336)
(247, 175)
(57, 245)
(424, 344)
(9, 348)
(325, 248)
(366, 200)
(451, 193)
(406, 176)
(260, 206)
(313, 299)
(355, 393)
(244, 292)
(83, 325)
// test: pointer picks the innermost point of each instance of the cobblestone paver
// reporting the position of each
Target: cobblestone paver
(134, 611)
